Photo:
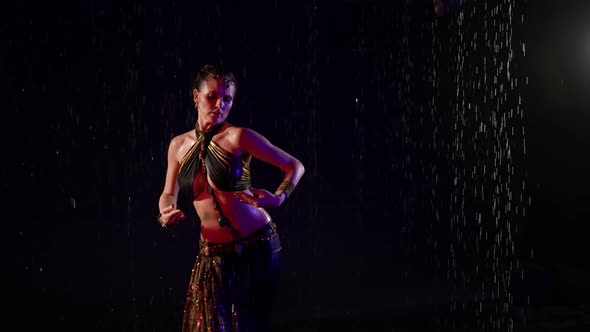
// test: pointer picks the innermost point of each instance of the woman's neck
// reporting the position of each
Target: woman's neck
(206, 127)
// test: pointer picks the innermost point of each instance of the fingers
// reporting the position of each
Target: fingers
(176, 215)
(258, 192)
(258, 198)
(246, 198)
(172, 221)
(170, 217)
(167, 209)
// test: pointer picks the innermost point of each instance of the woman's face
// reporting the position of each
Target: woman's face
(215, 100)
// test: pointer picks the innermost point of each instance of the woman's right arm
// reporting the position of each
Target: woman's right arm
(169, 196)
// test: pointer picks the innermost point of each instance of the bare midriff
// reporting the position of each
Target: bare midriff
(245, 218)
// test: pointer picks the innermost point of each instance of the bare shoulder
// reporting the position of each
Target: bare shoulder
(249, 141)
(233, 132)
(240, 134)
(182, 139)
(241, 137)
(181, 143)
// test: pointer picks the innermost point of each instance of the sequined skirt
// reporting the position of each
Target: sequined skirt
(232, 285)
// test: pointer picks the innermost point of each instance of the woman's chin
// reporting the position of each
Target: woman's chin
(217, 120)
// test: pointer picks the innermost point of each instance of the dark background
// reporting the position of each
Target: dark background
(381, 232)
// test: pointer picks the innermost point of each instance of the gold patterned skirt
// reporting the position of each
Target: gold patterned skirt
(232, 284)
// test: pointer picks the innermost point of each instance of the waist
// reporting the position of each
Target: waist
(266, 234)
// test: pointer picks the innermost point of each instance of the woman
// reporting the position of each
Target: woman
(233, 279)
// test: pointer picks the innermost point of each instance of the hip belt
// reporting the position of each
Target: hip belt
(264, 235)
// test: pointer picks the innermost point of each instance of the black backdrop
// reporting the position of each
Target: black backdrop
(95, 91)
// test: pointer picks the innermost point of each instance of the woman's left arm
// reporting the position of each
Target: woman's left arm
(260, 148)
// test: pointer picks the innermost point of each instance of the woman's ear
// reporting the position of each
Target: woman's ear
(195, 96)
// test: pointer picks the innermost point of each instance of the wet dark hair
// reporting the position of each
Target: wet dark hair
(216, 71)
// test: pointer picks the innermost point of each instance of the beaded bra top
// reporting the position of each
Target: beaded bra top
(226, 171)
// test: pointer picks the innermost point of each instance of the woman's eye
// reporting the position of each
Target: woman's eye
(227, 99)
(211, 97)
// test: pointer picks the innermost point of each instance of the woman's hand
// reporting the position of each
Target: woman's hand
(260, 198)
(169, 216)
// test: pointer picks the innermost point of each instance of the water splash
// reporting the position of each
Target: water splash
(466, 140)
